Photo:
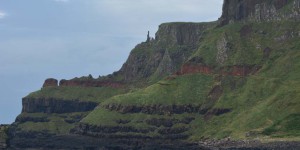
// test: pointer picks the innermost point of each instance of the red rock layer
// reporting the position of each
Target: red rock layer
(237, 70)
(195, 68)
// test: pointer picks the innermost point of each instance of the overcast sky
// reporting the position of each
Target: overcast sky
(72, 38)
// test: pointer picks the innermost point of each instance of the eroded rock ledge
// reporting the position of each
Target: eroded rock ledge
(81, 83)
(90, 83)
(50, 105)
(165, 109)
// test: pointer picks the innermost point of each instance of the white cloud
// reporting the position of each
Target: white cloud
(2, 14)
(64, 1)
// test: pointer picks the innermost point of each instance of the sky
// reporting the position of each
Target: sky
(64, 39)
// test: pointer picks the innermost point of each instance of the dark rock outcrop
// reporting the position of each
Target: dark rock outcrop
(168, 122)
(50, 83)
(90, 83)
(154, 109)
(181, 33)
(228, 144)
(173, 44)
(22, 119)
(31, 105)
(259, 10)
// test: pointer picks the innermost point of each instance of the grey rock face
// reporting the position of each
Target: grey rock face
(223, 49)
(259, 10)
(166, 66)
(150, 57)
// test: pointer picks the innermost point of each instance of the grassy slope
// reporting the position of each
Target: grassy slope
(94, 94)
(57, 123)
(190, 89)
(265, 105)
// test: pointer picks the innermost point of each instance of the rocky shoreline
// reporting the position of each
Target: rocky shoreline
(75, 141)
(228, 144)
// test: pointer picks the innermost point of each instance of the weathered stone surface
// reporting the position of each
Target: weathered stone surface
(181, 38)
(181, 33)
(22, 119)
(229, 144)
(258, 10)
(155, 109)
(223, 49)
(50, 83)
(166, 66)
(31, 105)
(90, 83)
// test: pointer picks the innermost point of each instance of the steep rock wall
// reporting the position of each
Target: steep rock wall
(181, 33)
(173, 44)
(259, 10)
(31, 105)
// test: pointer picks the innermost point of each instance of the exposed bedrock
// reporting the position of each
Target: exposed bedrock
(181, 33)
(129, 132)
(22, 119)
(237, 70)
(72, 141)
(94, 130)
(154, 109)
(163, 109)
(90, 83)
(259, 10)
(50, 83)
(31, 105)
(168, 122)
(173, 44)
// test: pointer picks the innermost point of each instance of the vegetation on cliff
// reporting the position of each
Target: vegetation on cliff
(236, 78)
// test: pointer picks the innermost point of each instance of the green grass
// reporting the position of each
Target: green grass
(264, 105)
(187, 89)
(288, 126)
(57, 122)
(94, 94)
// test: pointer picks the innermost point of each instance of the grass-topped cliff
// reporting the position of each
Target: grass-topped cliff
(236, 78)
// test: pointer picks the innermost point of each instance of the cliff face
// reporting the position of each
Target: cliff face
(42, 105)
(173, 44)
(259, 10)
(231, 79)
(181, 33)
